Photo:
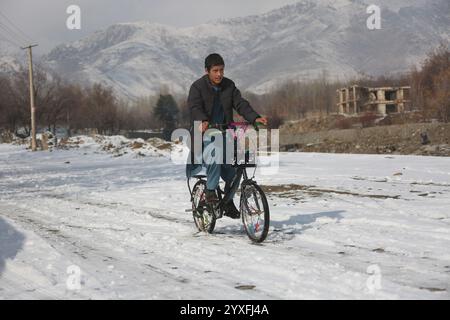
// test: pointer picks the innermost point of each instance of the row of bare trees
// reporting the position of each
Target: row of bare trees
(431, 85)
(57, 103)
(74, 107)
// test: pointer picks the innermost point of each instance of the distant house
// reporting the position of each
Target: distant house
(384, 100)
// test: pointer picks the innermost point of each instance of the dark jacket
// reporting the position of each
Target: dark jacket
(201, 99)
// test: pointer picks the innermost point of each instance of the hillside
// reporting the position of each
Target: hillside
(297, 41)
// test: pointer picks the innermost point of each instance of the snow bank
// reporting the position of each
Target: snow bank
(119, 145)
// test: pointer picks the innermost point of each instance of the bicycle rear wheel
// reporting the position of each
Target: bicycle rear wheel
(204, 217)
(255, 212)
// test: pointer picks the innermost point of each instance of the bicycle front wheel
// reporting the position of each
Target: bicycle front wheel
(254, 212)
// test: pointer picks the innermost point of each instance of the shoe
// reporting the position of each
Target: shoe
(231, 211)
(211, 196)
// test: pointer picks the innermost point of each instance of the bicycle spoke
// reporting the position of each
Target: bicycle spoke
(254, 214)
(203, 217)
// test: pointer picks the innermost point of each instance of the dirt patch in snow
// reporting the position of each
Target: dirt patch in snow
(288, 191)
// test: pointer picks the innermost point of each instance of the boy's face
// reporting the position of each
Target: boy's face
(215, 74)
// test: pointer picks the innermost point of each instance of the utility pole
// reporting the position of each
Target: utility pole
(33, 109)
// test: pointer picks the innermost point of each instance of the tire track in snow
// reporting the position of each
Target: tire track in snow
(86, 256)
(89, 258)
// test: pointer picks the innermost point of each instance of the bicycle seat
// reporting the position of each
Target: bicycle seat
(199, 176)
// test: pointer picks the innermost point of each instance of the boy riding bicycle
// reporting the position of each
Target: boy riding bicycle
(211, 100)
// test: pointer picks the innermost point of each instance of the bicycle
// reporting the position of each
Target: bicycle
(253, 205)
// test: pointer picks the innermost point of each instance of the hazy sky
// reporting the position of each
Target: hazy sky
(45, 20)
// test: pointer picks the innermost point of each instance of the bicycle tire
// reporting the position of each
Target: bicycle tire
(248, 212)
(204, 217)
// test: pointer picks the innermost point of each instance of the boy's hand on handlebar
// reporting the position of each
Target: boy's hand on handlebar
(203, 126)
(262, 120)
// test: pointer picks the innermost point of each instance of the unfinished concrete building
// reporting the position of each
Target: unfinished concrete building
(384, 100)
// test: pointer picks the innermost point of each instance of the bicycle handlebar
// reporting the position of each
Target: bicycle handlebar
(234, 125)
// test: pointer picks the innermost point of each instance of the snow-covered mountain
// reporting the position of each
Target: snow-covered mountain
(296, 41)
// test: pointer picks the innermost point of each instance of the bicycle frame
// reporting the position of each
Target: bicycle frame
(241, 172)
(258, 207)
(235, 183)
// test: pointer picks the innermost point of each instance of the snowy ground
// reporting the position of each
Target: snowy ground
(82, 224)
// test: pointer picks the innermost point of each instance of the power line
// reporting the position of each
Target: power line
(10, 39)
(10, 34)
(13, 33)
(10, 42)
(17, 28)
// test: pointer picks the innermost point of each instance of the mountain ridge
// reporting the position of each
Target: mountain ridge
(297, 41)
